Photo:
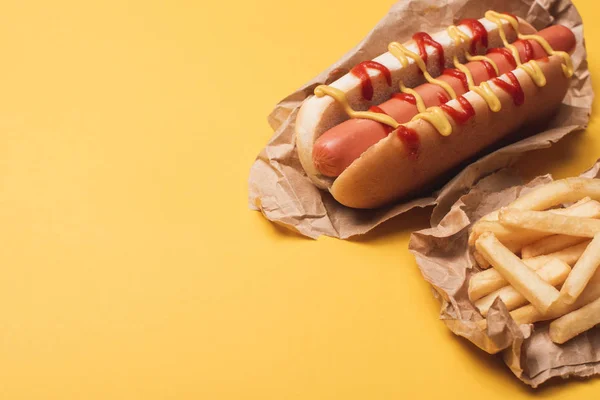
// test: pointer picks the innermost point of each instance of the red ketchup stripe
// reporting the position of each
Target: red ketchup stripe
(505, 53)
(513, 88)
(461, 117)
(528, 49)
(480, 34)
(376, 109)
(411, 141)
(360, 71)
(422, 39)
(455, 73)
(489, 68)
(442, 97)
(409, 98)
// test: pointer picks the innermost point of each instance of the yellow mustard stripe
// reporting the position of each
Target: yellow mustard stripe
(567, 66)
(462, 68)
(497, 19)
(535, 72)
(484, 90)
(484, 58)
(458, 36)
(395, 49)
(436, 117)
(340, 97)
(401, 53)
(420, 103)
(460, 39)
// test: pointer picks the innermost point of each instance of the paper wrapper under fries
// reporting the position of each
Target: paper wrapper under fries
(444, 256)
(280, 189)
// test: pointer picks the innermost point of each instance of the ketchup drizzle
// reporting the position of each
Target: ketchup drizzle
(459, 116)
(528, 48)
(360, 71)
(490, 70)
(505, 53)
(379, 110)
(409, 98)
(455, 73)
(422, 39)
(513, 88)
(411, 141)
(442, 97)
(480, 34)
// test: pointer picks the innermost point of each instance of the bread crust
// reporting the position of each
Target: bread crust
(386, 172)
(317, 115)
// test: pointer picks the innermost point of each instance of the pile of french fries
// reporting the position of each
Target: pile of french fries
(541, 255)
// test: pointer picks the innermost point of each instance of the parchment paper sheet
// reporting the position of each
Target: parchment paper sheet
(443, 258)
(278, 186)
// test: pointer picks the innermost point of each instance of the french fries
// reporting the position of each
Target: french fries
(510, 237)
(565, 210)
(558, 192)
(570, 255)
(529, 314)
(538, 292)
(572, 324)
(550, 244)
(555, 272)
(493, 216)
(515, 238)
(485, 282)
(582, 272)
(585, 207)
(482, 262)
(544, 221)
(531, 246)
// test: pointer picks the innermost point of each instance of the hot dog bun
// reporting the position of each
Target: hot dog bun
(386, 172)
(317, 115)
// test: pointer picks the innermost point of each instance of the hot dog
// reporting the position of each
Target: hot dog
(460, 101)
(337, 148)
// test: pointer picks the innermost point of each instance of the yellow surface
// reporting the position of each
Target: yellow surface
(131, 267)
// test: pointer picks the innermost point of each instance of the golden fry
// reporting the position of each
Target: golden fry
(550, 244)
(558, 192)
(515, 238)
(538, 292)
(485, 282)
(529, 314)
(505, 234)
(544, 221)
(576, 322)
(480, 260)
(582, 272)
(555, 272)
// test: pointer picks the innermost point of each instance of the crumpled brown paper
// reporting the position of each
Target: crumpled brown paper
(280, 189)
(443, 257)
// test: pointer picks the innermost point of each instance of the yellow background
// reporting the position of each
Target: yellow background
(131, 266)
